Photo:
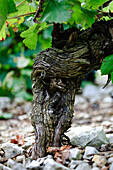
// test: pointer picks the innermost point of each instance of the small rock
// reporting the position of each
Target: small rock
(11, 150)
(89, 92)
(106, 123)
(79, 100)
(95, 168)
(19, 158)
(37, 164)
(110, 160)
(110, 138)
(95, 137)
(89, 151)
(50, 164)
(19, 166)
(75, 154)
(14, 165)
(28, 144)
(108, 99)
(111, 167)
(73, 164)
(34, 165)
(5, 102)
(3, 167)
(99, 160)
(83, 166)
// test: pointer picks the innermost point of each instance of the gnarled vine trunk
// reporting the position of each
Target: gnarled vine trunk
(57, 75)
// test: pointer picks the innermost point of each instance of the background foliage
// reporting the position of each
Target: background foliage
(21, 39)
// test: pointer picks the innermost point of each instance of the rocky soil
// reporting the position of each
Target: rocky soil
(91, 134)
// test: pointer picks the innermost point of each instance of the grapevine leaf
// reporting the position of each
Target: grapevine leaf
(31, 35)
(112, 77)
(3, 12)
(57, 11)
(3, 32)
(111, 6)
(94, 4)
(11, 6)
(82, 16)
(107, 65)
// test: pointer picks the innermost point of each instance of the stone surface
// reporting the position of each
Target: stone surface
(110, 160)
(3, 167)
(94, 137)
(50, 164)
(75, 154)
(83, 166)
(99, 160)
(89, 151)
(110, 138)
(111, 167)
(11, 150)
(5, 103)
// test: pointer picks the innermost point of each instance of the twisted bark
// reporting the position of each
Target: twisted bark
(57, 75)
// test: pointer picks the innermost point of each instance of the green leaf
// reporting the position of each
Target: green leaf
(3, 12)
(94, 4)
(82, 16)
(57, 11)
(11, 6)
(107, 65)
(111, 6)
(3, 31)
(31, 35)
(6, 115)
(112, 77)
(23, 94)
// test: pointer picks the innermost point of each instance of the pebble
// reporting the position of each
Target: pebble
(83, 166)
(110, 138)
(99, 160)
(110, 160)
(11, 150)
(75, 154)
(89, 150)
(50, 164)
(95, 137)
(111, 167)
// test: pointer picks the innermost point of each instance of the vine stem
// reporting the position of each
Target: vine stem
(20, 3)
(21, 15)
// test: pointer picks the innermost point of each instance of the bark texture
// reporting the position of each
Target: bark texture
(57, 75)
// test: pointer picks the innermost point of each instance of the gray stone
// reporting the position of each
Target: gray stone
(91, 91)
(11, 163)
(37, 164)
(95, 168)
(34, 165)
(111, 167)
(19, 166)
(5, 102)
(89, 150)
(20, 158)
(110, 160)
(95, 137)
(3, 167)
(110, 138)
(83, 166)
(11, 150)
(75, 153)
(50, 164)
(73, 164)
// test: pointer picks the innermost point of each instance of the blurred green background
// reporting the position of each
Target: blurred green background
(16, 61)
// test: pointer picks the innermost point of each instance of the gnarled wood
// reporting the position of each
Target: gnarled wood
(57, 75)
